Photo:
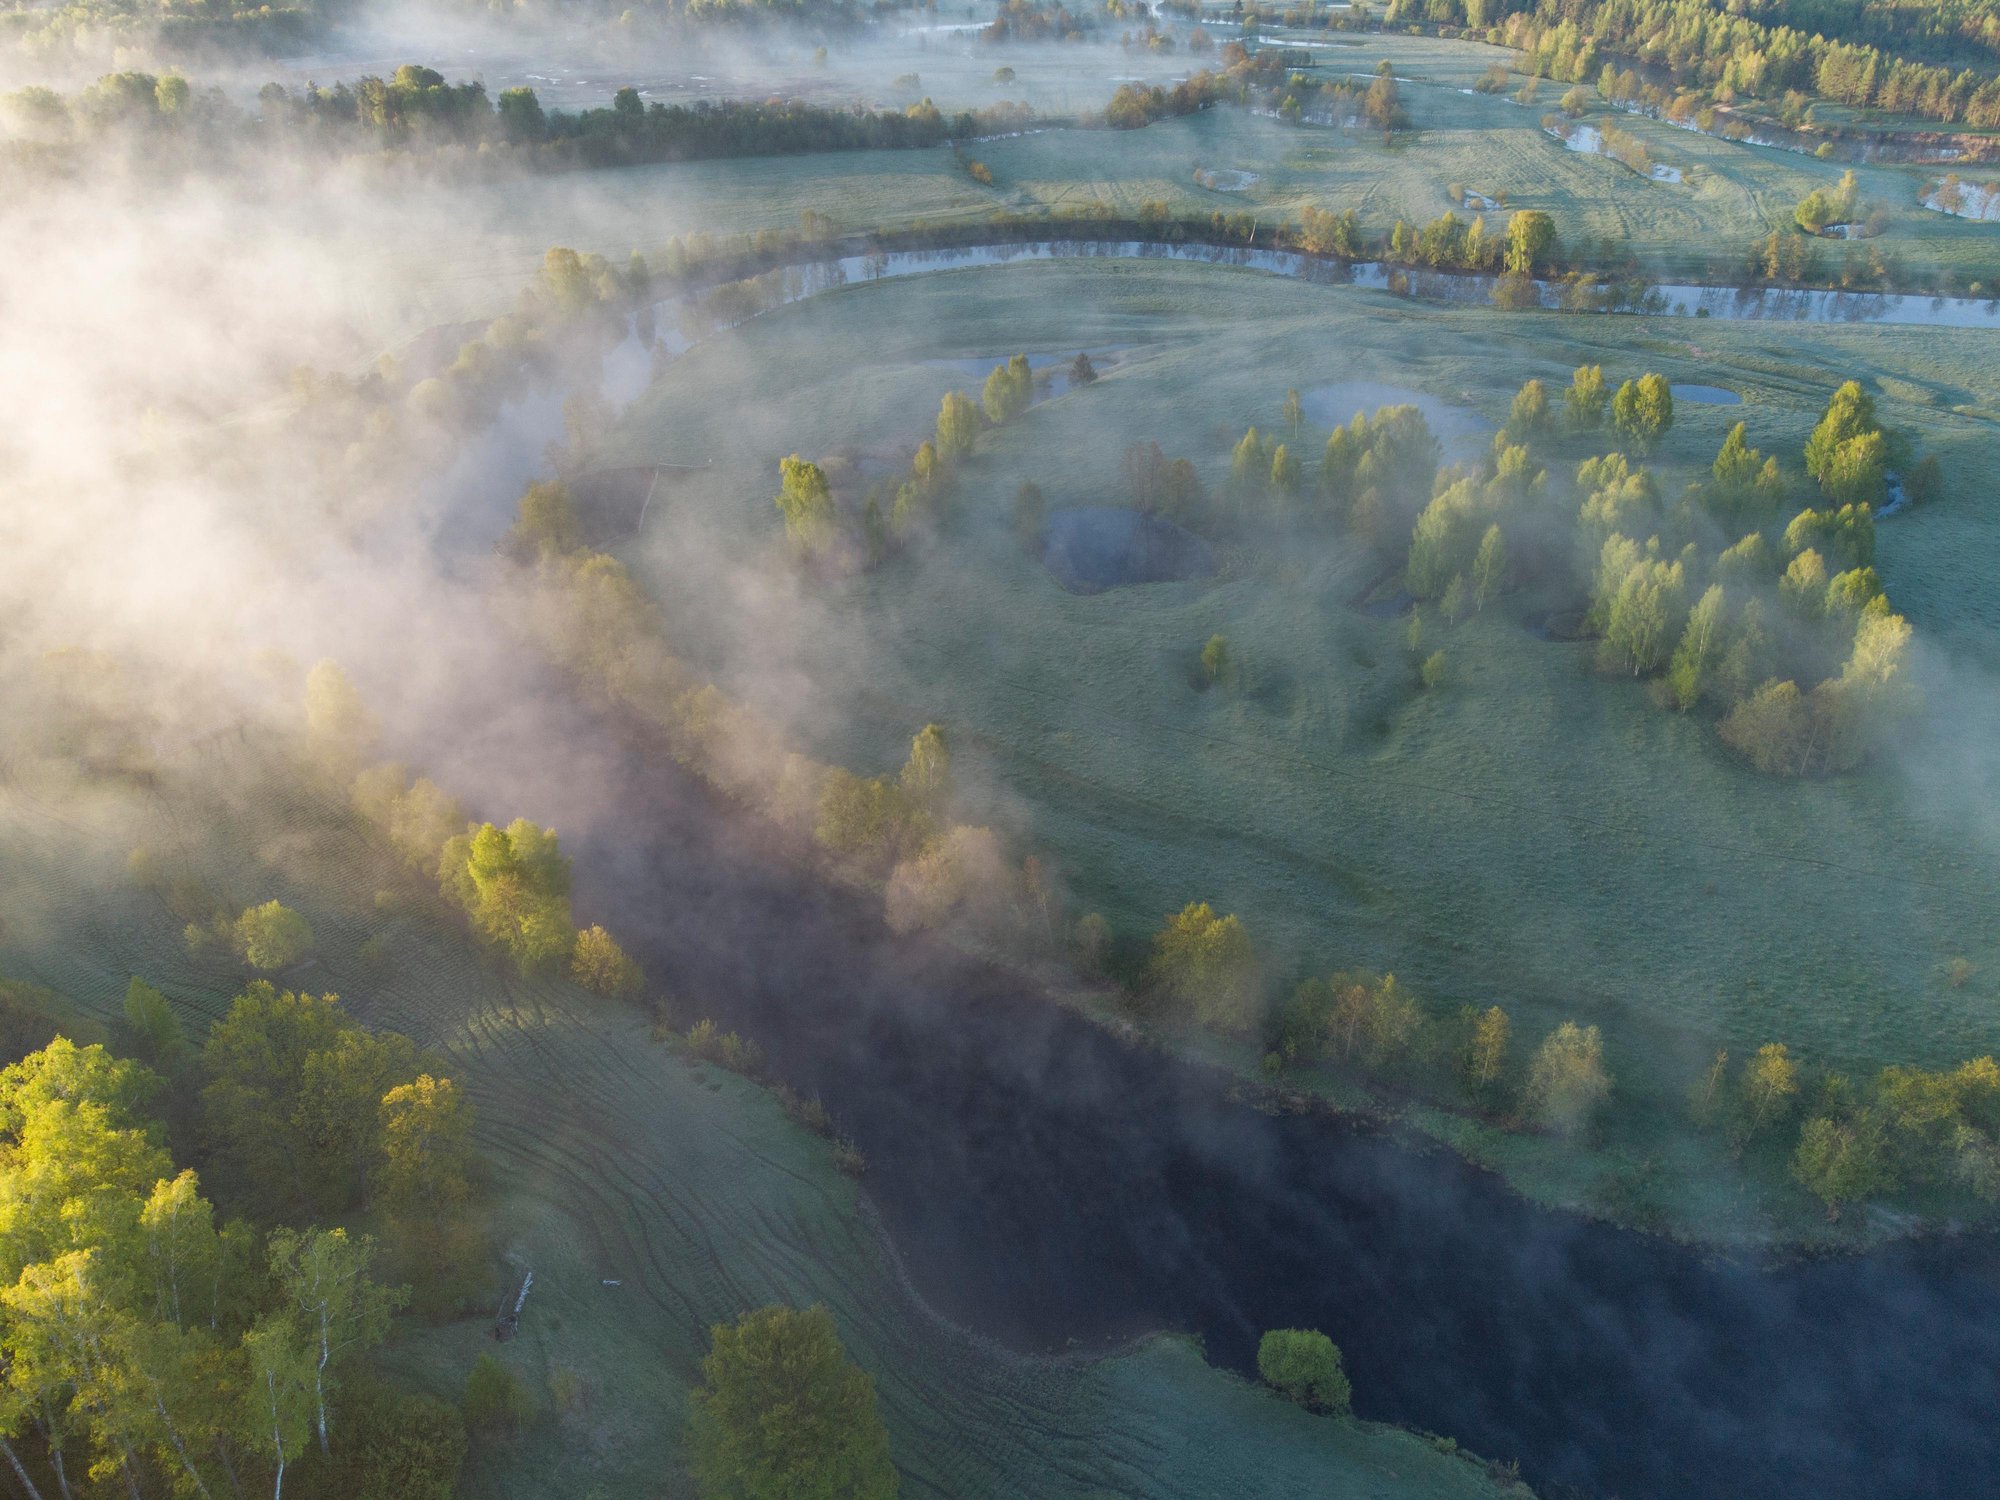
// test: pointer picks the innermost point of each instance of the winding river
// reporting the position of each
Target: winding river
(1052, 1185)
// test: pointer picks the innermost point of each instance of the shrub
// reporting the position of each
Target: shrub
(1304, 1365)
(496, 1399)
(600, 965)
(272, 936)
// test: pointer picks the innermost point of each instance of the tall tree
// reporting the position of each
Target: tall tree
(340, 1309)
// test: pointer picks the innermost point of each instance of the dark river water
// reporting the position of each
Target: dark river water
(1048, 1183)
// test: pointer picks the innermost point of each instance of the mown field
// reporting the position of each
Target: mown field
(1532, 835)
(612, 1160)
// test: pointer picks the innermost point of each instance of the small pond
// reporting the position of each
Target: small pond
(1091, 548)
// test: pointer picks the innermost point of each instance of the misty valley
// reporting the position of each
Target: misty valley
(1172, 748)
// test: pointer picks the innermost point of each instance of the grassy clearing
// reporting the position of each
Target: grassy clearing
(1534, 835)
(615, 1160)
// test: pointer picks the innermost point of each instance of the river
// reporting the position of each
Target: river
(1052, 1185)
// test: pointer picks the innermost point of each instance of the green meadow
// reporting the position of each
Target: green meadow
(1533, 834)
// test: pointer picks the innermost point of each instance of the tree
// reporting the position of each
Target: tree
(1531, 241)
(1643, 411)
(278, 1397)
(1436, 667)
(1249, 463)
(1305, 1365)
(521, 118)
(602, 967)
(1489, 568)
(1771, 728)
(1009, 391)
(1770, 1082)
(1644, 616)
(1206, 966)
(1215, 659)
(1486, 1057)
(1849, 414)
(926, 776)
(1293, 413)
(545, 524)
(1840, 1161)
(426, 1150)
(398, 1445)
(1284, 471)
(340, 1310)
(1082, 371)
(151, 1022)
(514, 885)
(272, 936)
(1700, 646)
(1567, 1081)
(783, 1414)
(805, 498)
(957, 427)
(1529, 415)
(1585, 400)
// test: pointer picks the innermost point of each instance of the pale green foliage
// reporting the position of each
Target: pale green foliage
(957, 427)
(1284, 471)
(1432, 673)
(1770, 1083)
(1486, 1055)
(1529, 416)
(340, 1310)
(272, 936)
(1567, 1080)
(1841, 1161)
(1305, 1365)
(1009, 391)
(1643, 411)
(152, 1023)
(1850, 414)
(959, 871)
(1205, 965)
(1586, 398)
(1489, 568)
(805, 499)
(1644, 615)
(1215, 659)
(514, 885)
(600, 965)
(1531, 241)
(783, 1414)
(926, 776)
(1700, 647)
(426, 1150)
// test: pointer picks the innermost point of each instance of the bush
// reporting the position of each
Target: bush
(1304, 1365)
(272, 936)
(396, 1445)
(600, 965)
(1432, 672)
(496, 1399)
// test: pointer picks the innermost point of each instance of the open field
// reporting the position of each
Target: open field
(471, 247)
(1534, 836)
(613, 1160)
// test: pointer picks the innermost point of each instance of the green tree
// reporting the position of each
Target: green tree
(1643, 411)
(1293, 413)
(545, 524)
(1489, 568)
(1700, 646)
(1849, 414)
(1436, 667)
(1529, 416)
(1531, 242)
(783, 1414)
(805, 498)
(1009, 391)
(1215, 659)
(1305, 1365)
(1206, 966)
(272, 936)
(340, 1310)
(397, 1445)
(426, 1150)
(1841, 1161)
(1486, 1057)
(926, 776)
(957, 427)
(154, 1027)
(278, 1397)
(1585, 400)
(1567, 1080)
(1284, 471)
(514, 885)
(601, 966)
(1644, 616)
(1770, 1083)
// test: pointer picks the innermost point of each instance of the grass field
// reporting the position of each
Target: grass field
(1534, 835)
(471, 247)
(613, 1160)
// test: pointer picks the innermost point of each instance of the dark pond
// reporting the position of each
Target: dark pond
(1091, 548)
(1048, 1183)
